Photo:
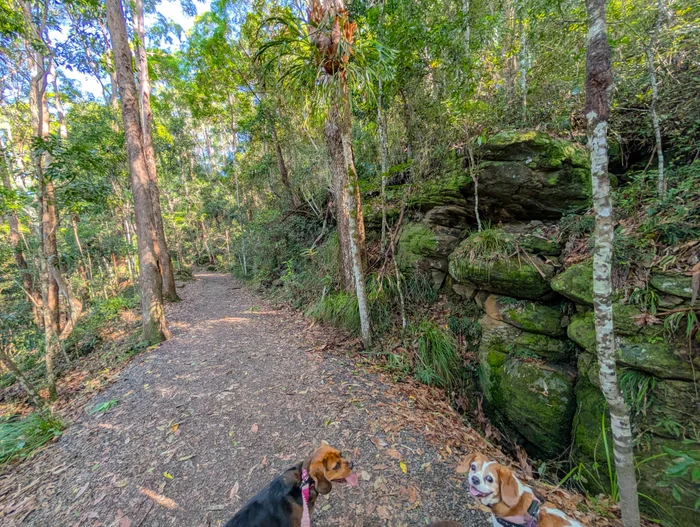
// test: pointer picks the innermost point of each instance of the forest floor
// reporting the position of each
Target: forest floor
(241, 392)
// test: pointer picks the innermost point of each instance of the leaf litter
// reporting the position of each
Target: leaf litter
(229, 370)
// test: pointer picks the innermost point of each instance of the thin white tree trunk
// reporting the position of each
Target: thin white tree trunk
(661, 180)
(355, 220)
(522, 63)
(467, 28)
(598, 89)
(384, 161)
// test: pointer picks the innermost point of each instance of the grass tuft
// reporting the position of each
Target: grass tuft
(20, 437)
(438, 358)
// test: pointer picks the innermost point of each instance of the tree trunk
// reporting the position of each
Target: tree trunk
(598, 89)
(152, 313)
(384, 161)
(47, 210)
(63, 129)
(467, 28)
(522, 65)
(26, 385)
(340, 183)
(284, 175)
(356, 222)
(166, 265)
(205, 242)
(661, 180)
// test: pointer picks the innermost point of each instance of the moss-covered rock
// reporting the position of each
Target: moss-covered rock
(674, 408)
(661, 356)
(540, 403)
(422, 248)
(441, 191)
(535, 399)
(536, 149)
(505, 275)
(534, 244)
(652, 460)
(673, 284)
(533, 317)
(576, 283)
(656, 455)
(533, 344)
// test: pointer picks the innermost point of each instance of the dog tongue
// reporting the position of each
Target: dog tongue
(351, 480)
(474, 492)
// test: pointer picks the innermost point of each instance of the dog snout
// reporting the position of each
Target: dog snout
(351, 464)
(476, 480)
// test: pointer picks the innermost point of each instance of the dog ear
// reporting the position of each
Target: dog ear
(470, 459)
(508, 486)
(317, 470)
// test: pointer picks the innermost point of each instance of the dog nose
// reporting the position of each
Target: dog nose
(351, 464)
(475, 480)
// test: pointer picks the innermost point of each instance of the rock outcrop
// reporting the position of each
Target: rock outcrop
(538, 371)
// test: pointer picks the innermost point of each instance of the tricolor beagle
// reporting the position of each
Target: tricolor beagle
(512, 503)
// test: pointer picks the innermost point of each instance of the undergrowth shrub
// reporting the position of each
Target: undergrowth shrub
(438, 361)
(19, 437)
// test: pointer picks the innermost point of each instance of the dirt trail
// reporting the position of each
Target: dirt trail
(209, 417)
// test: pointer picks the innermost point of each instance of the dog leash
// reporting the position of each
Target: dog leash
(305, 489)
(530, 519)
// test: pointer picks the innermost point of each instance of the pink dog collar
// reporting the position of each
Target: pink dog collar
(306, 483)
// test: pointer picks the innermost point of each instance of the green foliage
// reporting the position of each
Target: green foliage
(103, 407)
(20, 437)
(683, 463)
(438, 361)
(637, 388)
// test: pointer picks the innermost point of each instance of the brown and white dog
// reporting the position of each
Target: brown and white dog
(512, 503)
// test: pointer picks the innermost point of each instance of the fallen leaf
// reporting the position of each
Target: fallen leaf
(365, 475)
(168, 475)
(82, 490)
(254, 428)
(234, 491)
(383, 512)
(394, 453)
(185, 458)
(174, 427)
(159, 499)
(403, 466)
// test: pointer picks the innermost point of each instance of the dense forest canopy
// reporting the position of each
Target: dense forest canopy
(377, 164)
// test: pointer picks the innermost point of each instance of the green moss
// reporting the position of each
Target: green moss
(540, 345)
(588, 445)
(677, 285)
(655, 457)
(651, 457)
(491, 270)
(540, 404)
(416, 241)
(653, 354)
(537, 245)
(533, 317)
(443, 190)
(576, 283)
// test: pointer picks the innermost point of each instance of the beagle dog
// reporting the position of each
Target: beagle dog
(512, 503)
(282, 502)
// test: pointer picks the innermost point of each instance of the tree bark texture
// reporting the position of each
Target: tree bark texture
(598, 89)
(152, 313)
(146, 115)
(340, 182)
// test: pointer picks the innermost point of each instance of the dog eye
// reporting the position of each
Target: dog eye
(489, 479)
(474, 467)
(337, 466)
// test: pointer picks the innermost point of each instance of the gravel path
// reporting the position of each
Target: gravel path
(241, 392)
